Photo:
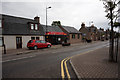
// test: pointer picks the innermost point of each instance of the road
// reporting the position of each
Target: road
(45, 64)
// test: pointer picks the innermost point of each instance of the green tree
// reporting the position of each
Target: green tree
(110, 7)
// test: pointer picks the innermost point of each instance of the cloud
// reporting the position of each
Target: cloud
(69, 12)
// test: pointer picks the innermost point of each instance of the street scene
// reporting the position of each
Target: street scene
(61, 40)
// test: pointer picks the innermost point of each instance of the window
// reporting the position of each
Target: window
(32, 26)
(36, 26)
(37, 41)
(73, 36)
(42, 38)
(42, 41)
(32, 38)
(30, 41)
(78, 36)
(1, 41)
(37, 38)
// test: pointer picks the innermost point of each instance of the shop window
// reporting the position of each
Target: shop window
(32, 38)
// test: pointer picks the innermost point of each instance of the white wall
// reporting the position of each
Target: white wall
(25, 40)
(10, 42)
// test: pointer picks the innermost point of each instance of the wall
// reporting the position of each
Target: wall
(25, 40)
(10, 42)
(85, 31)
(76, 40)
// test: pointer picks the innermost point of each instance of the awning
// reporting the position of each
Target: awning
(56, 33)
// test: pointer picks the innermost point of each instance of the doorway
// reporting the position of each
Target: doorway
(19, 42)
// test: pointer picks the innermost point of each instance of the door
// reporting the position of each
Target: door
(43, 43)
(19, 42)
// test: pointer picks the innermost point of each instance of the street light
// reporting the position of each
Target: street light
(46, 17)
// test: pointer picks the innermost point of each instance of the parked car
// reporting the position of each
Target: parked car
(88, 40)
(66, 43)
(35, 44)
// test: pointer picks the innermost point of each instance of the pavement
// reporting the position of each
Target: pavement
(95, 64)
(12, 52)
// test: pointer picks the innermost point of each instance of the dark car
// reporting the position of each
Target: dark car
(35, 44)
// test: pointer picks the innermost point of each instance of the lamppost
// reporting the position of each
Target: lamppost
(46, 17)
(46, 22)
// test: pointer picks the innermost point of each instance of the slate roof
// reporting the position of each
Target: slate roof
(52, 28)
(19, 26)
(70, 29)
(100, 31)
(91, 29)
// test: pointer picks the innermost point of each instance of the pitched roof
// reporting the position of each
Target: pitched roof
(19, 26)
(52, 28)
(91, 29)
(70, 29)
(100, 30)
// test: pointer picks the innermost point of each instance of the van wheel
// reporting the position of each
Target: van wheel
(35, 48)
(48, 46)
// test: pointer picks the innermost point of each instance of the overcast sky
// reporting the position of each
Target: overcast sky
(69, 12)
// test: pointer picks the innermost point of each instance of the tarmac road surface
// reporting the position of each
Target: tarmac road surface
(45, 64)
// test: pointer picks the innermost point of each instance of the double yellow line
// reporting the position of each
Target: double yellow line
(64, 63)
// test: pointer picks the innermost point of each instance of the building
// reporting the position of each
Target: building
(102, 35)
(54, 34)
(73, 35)
(92, 33)
(17, 31)
(89, 33)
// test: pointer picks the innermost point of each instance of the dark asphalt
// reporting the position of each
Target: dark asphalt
(46, 64)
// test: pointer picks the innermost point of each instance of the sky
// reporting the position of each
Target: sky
(69, 12)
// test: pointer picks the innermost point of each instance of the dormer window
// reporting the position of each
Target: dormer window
(36, 26)
(32, 26)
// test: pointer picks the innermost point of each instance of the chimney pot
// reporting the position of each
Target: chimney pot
(37, 19)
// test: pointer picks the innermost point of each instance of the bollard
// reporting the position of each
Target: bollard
(4, 48)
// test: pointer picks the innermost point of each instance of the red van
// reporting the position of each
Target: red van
(35, 44)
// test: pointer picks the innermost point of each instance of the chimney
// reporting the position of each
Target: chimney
(101, 29)
(37, 19)
(92, 25)
(83, 25)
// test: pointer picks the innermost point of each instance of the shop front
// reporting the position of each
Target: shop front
(55, 37)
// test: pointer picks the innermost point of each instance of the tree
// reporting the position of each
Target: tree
(56, 23)
(110, 6)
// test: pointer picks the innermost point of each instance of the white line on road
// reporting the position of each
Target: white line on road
(18, 58)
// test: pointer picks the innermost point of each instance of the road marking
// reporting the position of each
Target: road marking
(62, 69)
(18, 58)
(68, 75)
(64, 61)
